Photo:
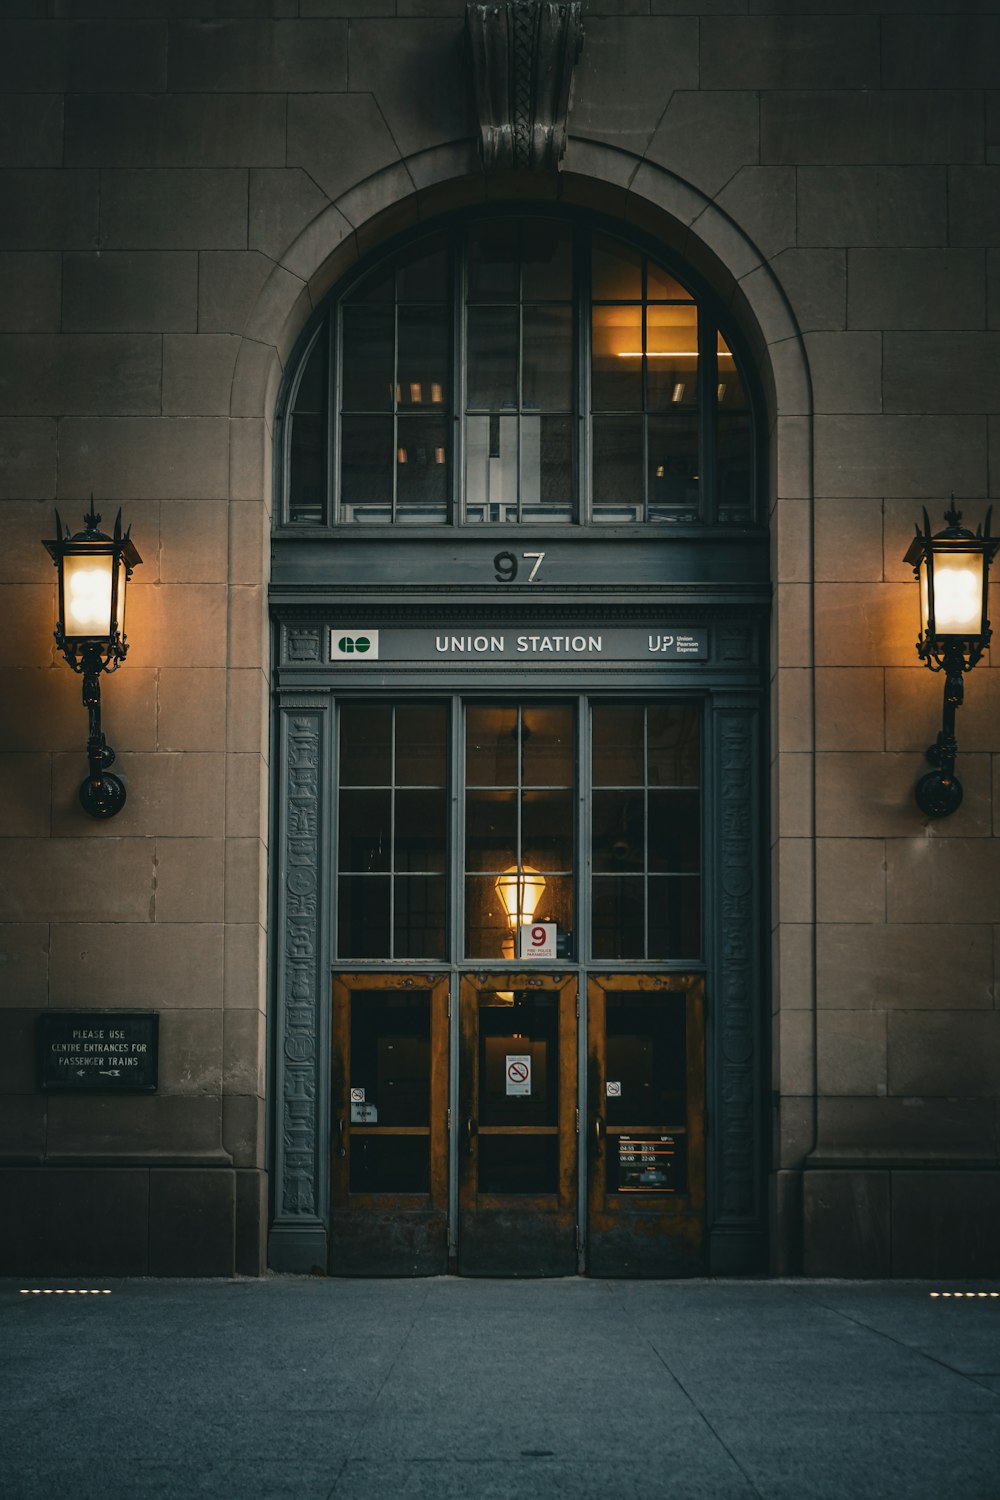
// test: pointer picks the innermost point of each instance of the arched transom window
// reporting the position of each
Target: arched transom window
(518, 369)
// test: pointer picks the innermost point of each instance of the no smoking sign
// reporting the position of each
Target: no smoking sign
(518, 1073)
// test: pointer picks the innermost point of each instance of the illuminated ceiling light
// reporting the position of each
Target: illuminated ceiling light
(401, 455)
(720, 392)
(658, 354)
(439, 455)
(520, 890)
(678, 395)
(416, 393)
(437, 393)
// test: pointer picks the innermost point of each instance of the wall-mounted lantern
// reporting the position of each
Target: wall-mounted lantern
(90, 632)
(953, 569)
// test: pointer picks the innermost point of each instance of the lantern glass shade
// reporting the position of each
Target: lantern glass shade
(93, 594)
(953, 590)
(520, 890)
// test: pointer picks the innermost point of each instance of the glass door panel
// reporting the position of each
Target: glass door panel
(389, 1177)
(646, 1139)
(517, 1144)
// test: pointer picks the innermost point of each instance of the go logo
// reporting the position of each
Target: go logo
(348, 644)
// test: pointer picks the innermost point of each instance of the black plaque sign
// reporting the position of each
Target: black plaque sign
(107, 1051)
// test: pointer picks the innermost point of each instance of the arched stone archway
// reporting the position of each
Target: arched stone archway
(691, 226)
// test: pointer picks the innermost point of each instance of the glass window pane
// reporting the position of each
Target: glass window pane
(731, 392)
(390, 1163)
(672, 358)
(547, 745)
(547, 274)
(617, 469)
(422, 469)
(616, 270)
(547, 830)
(555, 904)
(421, 830)
(674, 831)
(310, 395)
(616, 378)
(490, 830)
(490, 746)
(491, 347)
(618, 832)
(547, 374)
(307, 470)
(674, 916)
(366, 464)
(421, 744)
(646, 1054)
(546, 468)
(390, 1055)
(618, 735)
(618, 913)
(518, 1164)
(673, 734)
(365, 841)
(365, 739)
(419, 924)
(424, 278)
(376, 287)
(366, 381)
(493, 261)
(673, 467)
(423, 368)
(734, 465)
(363, 926)
(491, 468)
(529, 1027)
(487, 927)
(660, 283)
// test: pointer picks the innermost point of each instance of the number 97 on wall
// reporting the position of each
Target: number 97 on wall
(537, 940)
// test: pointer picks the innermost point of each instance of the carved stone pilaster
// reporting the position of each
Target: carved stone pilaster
(523, 56)
(300, 1071)
(739, 930)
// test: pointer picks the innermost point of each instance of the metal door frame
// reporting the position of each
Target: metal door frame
(735, 911)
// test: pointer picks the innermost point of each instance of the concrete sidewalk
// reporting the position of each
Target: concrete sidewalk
(447, 1388)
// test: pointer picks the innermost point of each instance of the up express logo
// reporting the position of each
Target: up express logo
(358, 646)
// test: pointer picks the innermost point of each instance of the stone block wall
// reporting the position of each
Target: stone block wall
(180, 183)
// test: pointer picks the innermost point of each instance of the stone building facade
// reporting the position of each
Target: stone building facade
(183, 185)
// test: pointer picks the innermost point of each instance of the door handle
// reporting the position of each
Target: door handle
(341, 1148)
(471, 1129)
(598, 1135)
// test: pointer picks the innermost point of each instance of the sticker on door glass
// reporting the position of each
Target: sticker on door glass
(518, 1073)
(647, 1164)
(614, 1090)
(538, 940)
(363, 1114)
(357, 1096)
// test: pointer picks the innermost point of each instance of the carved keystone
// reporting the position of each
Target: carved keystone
(523, 56)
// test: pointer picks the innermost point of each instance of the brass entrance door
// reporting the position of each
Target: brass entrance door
(517, 1126)
(646, 1135)
(389, 1149)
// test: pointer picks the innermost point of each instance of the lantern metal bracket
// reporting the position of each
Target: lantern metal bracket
(939, 793)
(102, 794)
